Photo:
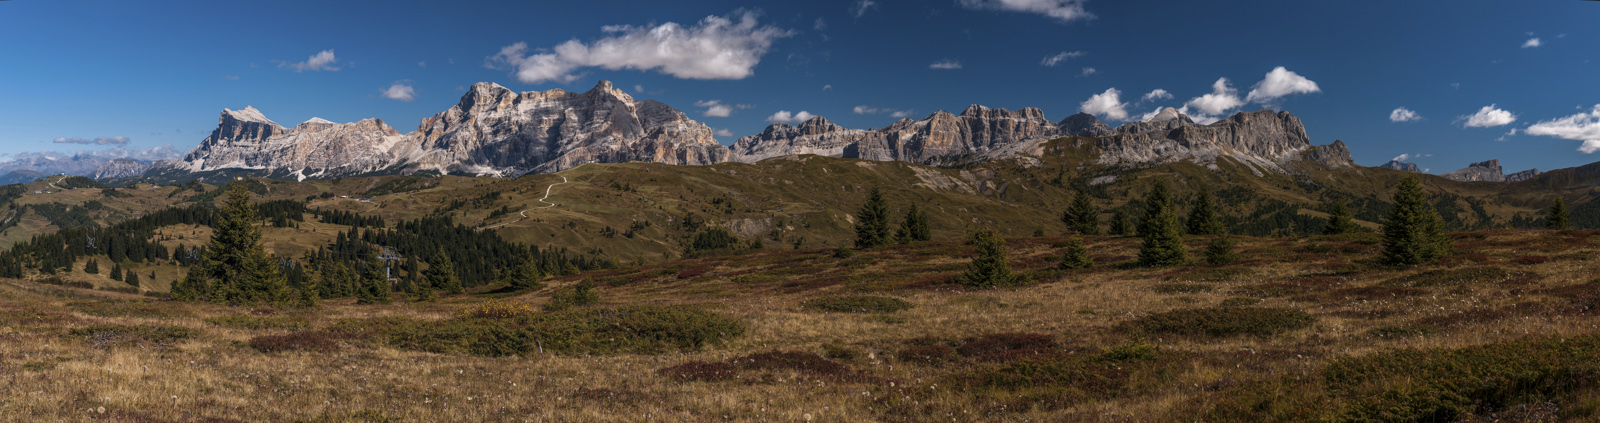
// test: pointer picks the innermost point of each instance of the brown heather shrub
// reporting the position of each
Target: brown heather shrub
(927, 352)
(692, 272)
(1531, 260)
(856, 304)
(1007, 346)
(1452, 277)
(298, 341)
(1181, 288)
(803, 362)
(496, 309)
(246, 321)
(1224, 321)
(103, 336)
(130, 308)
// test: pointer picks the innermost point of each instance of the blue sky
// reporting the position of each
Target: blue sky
(159, 72)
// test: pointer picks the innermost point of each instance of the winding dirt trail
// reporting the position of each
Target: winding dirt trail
(524, 212)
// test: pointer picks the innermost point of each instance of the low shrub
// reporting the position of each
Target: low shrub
(927, 352)
(1004, 346)
(129, 308)
(1532, 260)
(1216, 274)
(1450, 277)
(245, 321)
(1240, 302)
(102, 336)
(597, 331)
(807, 363)
(1225, 321)
(700, 371)
(856, 304)
(496, 309)
(1404, 331)
(298, 341)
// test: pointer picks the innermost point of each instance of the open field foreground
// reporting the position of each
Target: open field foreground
(1308, 329)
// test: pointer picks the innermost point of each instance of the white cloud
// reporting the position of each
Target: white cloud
(783, 116)
(820, 25)
(946, 64)
(118, 140)
(638, 88)
(1456, 85)
(715, 48)
(1408, 156)
(1401, 114)
(860, 8)
(1583, 127)
(1488, 117)
(1089, 71)
(827, 87)
(715, 108)
(1222, 99)
(722, 133)
(1158, 94)
(322, 61)
(1107, 105)
(901, 114)
(1532, 42)
(400, 91)
(423, 64)
(866, 110)
(1280, 83)
(1198, 117)
(1061, 57)
(1062, 10)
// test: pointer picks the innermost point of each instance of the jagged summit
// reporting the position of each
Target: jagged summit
(1398, 165)
(1489, 171)
(317, 121)
(1166, 114)
(248, 114)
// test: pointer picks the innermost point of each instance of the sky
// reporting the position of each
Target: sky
(1439, 83)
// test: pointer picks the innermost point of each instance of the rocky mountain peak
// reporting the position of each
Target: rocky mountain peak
(1166, 114)
(1489, 171)
(1084, 125)
(1398, 165)
(818, 125)
(248, 114)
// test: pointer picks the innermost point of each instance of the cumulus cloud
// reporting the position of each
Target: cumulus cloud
(1489, 117)
(867, 110)
(1089, 71)
(1158, 94)
(400, 91)
(1061, 57)
(1222, 99)
(117, 140)
(1199, 117)
(860, 8)
(715, 48)
(946, 64)
(1408, 156)
(827, 87)
(723, 132)
(1532, 42)
(1401, 114)
(715, 108)
(1107, 105)
(638, 88)
(783, 116)
(1580, 127)
(164, 152)
(1280, 83)
(322, 61)
(1061, 10)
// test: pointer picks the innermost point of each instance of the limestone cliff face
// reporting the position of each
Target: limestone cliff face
(1265, 139)
(940, 137)
(490, 131)
(119, 168)
(1489, 171)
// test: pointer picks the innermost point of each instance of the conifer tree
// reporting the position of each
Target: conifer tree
(525, 275)
(238, 267)
(1414, 233)
(308, 297)
(1340, 221)
(872, 221)
(193, 287)
(1220, 251)
(1163, 236)
(1203, 216)
(374, 285)
(914, 228)
(1077, 255)
(1556, 218)
(92, 267)
(989, 268)
(1121, 224)
(442, 274)
(132, 278)
(116, 272)
(1081, 217)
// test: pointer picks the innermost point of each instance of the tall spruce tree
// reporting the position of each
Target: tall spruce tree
(1220, 251)
(116, 272)
(914, 227)
(374, 287)
(1414, 233)
(1163, 236)
(525, 275)
(1203, 218)
(92, 267)
(989, 268)
(237, 265)
(872, 221)
(1081, 217)
(131, 278)
(1340, 221)
(1121, 224)
(1556, 217)
(442, 274)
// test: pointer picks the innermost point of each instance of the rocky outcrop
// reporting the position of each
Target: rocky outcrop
(1265, 139)
(120, 168)
(1083, 125)
(941, 137)
(1398, 165)
(1166, 120)
(490, 131)
(1489, 171)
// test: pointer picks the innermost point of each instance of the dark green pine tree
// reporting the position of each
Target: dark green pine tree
(1081, 217)
(132, 278)
(194, 286)
(1163, 236)
(92, 267)
(989, 268)
(1340, 221)
(914, 228)
(1203, 216)
(442, 274)
(239, 268)
(1220, 251)
(525, 275)
(1414, 233)
(309, 295)
(1077, 255)
(1121, 224)
(374, 287)
(872, 221)
(116, 272)
(1557, 218)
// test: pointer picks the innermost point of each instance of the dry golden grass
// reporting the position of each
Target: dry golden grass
(47, 374)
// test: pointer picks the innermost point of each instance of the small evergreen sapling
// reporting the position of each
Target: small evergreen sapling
(1414, 233)
(989, 268)
(1556, 218)
(92, 267)
(1121, 224)
(1203, 218)
(1081, 217)
(1340, 221)
(1220, 251)
(872, 221)
(1077, 256)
